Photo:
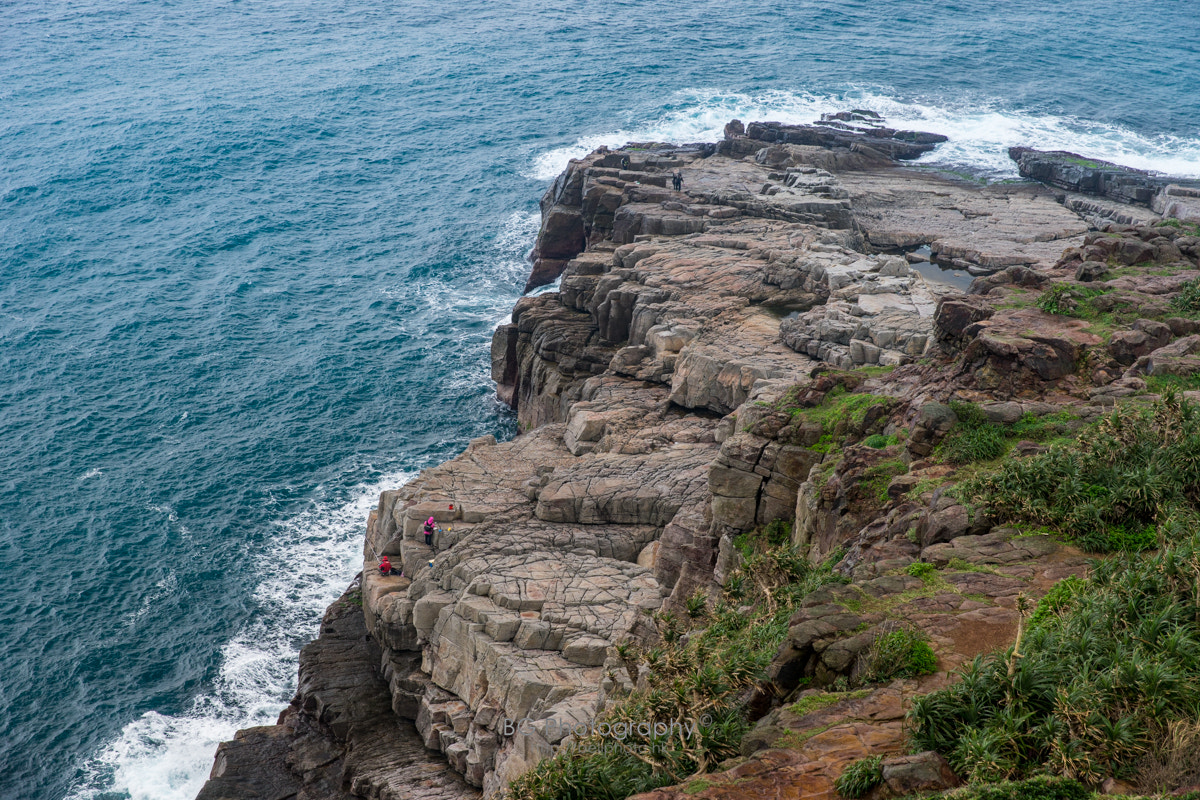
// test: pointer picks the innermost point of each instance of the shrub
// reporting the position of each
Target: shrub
(1135, 479)
(973, 438)
(1108, 668)
(1070, 300)
(877, 440)
(1039, 788)
(1188, 299)
(920, 570)
(860, 777)
(968, 445)
(903, 652)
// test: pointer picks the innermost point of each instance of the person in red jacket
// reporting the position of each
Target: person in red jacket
(385, 567)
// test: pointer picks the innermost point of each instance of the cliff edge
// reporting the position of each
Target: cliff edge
(686, 386)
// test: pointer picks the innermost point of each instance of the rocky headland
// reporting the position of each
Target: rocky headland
(792, 337)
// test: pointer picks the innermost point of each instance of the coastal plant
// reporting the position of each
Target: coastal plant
(699, 674)
(973, 438)
(1107, 678)
(860, 777)
(902, 652)
(1070, 300)
(1188, 299)
(841, 411)
(878, 477)
(1038, 788)
(1131, 483)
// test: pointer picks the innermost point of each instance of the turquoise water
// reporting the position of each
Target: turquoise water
(251, 255)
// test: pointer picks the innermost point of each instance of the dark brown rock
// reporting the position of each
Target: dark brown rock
(923, 772)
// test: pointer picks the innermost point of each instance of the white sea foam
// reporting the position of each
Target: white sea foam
(980, 133)
(91, 473)
(161, 757)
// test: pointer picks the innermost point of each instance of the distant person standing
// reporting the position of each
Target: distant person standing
(430, 527)
(677, 180)
(624, 162)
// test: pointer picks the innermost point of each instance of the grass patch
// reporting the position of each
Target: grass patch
(1104, 681)
(1189, 228)
(776, 533)
(973, 438)
(860, 777)
(815, 702)
(1188, 299)
(875, 479)
(1161, 384)
(1087, 162)
(704, 675)
(1070, 300)
(903, 652)
(1039, 788)
(1133, 481)
(879, 441)
(840, 408)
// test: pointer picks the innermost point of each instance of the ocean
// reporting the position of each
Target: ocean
(252, 253)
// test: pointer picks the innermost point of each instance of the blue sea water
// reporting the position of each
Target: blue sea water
(251, 255)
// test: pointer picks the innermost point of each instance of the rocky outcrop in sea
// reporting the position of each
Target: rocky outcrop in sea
(797, 262)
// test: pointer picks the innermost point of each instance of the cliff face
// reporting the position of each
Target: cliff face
(653, 390)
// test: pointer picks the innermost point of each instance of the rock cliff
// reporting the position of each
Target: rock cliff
(662, 393)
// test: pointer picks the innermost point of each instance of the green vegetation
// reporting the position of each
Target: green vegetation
(1104, 681)
(777, 533)
(876, 478)
(973, 438)
(903, 652)
(1134, 480)
(1039, 788)
(1189, 228)
(921, 570)
(1188, 299)
(879, 441)
(701, 676)
(1160, 384)
(1071, 300)
(1087, 162)
(860, 777)
(840, 409)
(815, 702)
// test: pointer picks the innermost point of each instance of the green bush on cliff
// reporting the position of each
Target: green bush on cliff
(1039, 788)
(860, 777)
(973, 438)
(697, 675)
(1071, 300)
(900, 653)
(1132, 481)
(1188, 299)
(1106, 682)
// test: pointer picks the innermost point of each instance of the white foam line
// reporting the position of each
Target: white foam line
(309, 562)
(980, 133)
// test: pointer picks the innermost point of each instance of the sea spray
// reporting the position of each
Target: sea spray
(308, 563)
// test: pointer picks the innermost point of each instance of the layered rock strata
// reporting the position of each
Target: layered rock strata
(662, 393)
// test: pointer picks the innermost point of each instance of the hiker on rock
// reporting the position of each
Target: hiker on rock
(386, 568)
(430, 527)
(677, 180)
(624, 162)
